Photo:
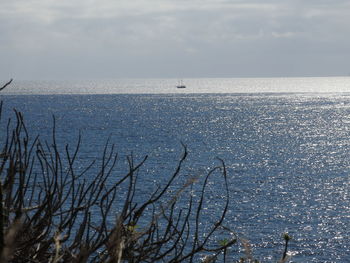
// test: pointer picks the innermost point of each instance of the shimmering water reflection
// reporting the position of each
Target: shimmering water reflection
(288, 155)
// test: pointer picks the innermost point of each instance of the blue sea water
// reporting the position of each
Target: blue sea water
(285, 142)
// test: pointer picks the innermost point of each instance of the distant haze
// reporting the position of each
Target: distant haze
(173, 38)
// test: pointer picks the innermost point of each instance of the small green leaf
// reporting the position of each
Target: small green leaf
(132, 228)
(286, 237)
(223, 242)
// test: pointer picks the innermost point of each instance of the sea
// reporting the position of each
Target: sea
(285, 143)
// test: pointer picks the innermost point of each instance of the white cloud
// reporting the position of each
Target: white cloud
(162, 30)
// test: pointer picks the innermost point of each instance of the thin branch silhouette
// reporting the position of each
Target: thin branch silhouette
(8, 83)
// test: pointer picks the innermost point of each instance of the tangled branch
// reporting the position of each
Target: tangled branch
(52, 211)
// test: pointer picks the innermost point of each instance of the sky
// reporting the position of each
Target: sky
(107, 39)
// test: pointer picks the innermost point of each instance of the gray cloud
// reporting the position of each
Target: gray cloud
(167, 38)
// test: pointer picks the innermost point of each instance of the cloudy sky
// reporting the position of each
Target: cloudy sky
(90, 39)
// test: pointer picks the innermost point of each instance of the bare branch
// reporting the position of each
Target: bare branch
(8, 83)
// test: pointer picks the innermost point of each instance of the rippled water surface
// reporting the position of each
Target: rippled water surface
(288, 155)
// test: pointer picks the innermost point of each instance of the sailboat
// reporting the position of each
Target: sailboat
(181, 85)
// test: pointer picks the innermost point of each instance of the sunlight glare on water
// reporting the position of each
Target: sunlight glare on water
(203, 85)
(287, 151)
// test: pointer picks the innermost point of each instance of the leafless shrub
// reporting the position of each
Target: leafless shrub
(51, 212)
